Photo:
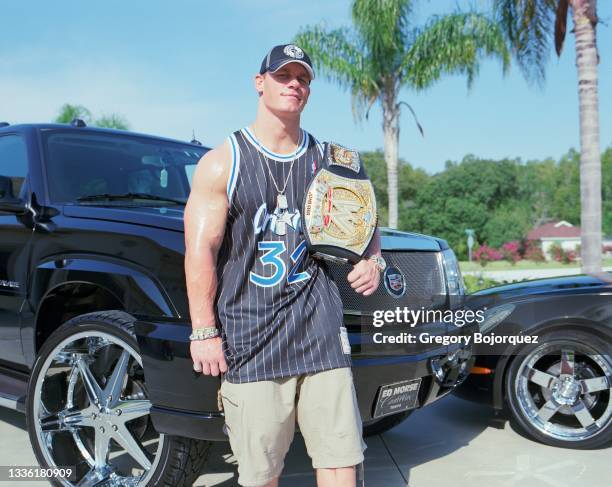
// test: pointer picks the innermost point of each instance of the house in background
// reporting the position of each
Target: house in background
(556, 232)
(561, 233)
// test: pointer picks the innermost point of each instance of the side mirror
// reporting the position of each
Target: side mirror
(15, 207)
(8, 202)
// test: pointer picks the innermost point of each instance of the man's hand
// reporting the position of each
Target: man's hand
(207, 356)
(365, 277)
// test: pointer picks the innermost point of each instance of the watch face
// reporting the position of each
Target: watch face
(380, 262)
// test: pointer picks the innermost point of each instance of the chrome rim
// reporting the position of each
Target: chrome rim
(91, 412)
(563, 389)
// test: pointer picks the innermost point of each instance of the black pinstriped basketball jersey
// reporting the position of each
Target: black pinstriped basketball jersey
(279, 310)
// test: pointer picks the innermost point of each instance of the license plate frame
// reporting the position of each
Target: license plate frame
(403, 396)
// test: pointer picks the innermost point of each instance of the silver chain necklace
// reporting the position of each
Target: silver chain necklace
(281, 198)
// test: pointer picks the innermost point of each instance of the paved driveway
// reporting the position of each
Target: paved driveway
(452, 442)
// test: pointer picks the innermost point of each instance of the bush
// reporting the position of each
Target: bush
(561, 255)
(510, 251)
(533, 251)
(485, 254)
(569, 256)
(556, 252)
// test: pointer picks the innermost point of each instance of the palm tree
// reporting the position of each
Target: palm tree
(529, 27)
(69, 112)
(112, 121)
(384, 52)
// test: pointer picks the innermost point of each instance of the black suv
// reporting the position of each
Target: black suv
(94, 318)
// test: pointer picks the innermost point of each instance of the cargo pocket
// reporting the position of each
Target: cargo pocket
(343, 437)
(232, 409)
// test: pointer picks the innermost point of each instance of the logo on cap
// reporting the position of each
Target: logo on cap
(293, 51)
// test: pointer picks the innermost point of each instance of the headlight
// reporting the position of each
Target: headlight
(494, 316)
(454, 279)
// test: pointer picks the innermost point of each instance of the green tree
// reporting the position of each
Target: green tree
(410, 181)
(385, 52)
(468, 195)
(69, 112)
(530, 27)
(511, 221)
(112, 121)
(537, 186)
(501, 200)
(565, 204)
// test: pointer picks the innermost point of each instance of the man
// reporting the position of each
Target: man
(264, 312)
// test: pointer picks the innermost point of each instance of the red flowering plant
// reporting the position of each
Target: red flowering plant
(485, 254)
(561, 255)
(533, 251)
(569, 256)
(556, 252)
(511, 251)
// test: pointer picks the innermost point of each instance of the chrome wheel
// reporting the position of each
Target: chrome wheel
(563, 389)
(91, 411)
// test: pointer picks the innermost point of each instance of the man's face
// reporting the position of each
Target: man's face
(286, 90)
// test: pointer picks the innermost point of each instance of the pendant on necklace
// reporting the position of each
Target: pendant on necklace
(281, 202)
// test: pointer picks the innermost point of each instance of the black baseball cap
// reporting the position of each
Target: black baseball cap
(285, 54)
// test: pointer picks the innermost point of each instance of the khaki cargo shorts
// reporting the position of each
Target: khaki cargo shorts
(261, 417)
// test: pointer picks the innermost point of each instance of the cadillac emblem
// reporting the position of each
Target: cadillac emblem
(395, 283)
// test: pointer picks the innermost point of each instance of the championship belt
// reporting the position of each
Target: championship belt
(339, 210)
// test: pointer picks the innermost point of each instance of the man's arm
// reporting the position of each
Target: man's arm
(365, 276)
(205, 219)
(374, 247)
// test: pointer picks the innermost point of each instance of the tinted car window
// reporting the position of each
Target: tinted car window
(13, 165)
(85, 164)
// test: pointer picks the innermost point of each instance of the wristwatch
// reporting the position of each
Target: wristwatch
(204, 333)
(380, 263)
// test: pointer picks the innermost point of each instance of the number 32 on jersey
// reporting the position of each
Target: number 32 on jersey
(273, 253)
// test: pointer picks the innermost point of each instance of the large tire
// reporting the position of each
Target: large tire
(545, 390)
(384, 424)
(69, 422)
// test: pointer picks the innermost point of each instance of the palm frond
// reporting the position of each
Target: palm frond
(561, 25)
(414, 115)
(337, 56)
(112, 121)
(382, 27)
(528, 26)
(452, 44)
(361, 102)
(69, 112)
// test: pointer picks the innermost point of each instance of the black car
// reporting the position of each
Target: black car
(94, 317)
(557, 388)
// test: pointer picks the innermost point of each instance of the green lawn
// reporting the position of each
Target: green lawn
(502, 265)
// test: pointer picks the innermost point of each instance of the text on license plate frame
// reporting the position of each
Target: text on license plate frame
(402, 397)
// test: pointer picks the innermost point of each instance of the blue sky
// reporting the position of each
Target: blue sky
(170, 67)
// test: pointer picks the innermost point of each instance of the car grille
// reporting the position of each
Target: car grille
(423, 274)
